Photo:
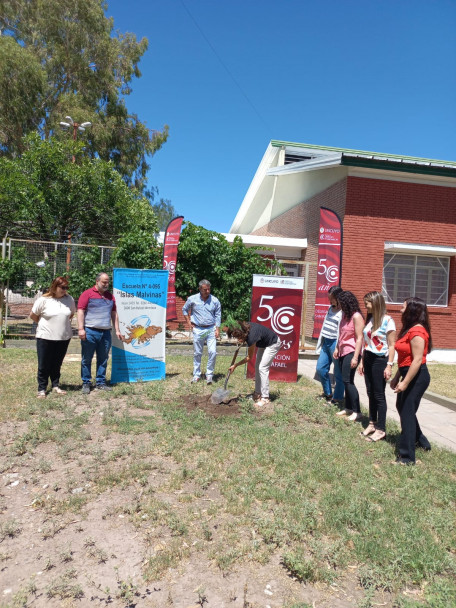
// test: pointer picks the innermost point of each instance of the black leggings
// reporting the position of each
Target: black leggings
(374, 368)
(348, 376)
(50, 358)
(407, 404)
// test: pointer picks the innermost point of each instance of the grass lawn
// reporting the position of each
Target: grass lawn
(443, 379)
(140, 498)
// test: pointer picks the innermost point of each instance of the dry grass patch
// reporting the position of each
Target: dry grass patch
(136, 498)
(443, 379)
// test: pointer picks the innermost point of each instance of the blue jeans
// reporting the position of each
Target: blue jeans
(200, 336)
(323, 366)
(97, 341)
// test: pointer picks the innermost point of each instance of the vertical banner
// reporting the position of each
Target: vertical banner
(329, 270)
(170, 245)
(277, 304)
(141, 306)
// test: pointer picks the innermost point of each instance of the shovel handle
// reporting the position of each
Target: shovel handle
(226, 379)
(235, 354)
(232, 363)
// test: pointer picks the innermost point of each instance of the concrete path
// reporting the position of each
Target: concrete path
(437, 422)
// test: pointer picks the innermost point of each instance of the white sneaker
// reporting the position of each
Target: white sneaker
(344, 413)
(355, 417)
(195, 379)
(41, 394)
(208, 379)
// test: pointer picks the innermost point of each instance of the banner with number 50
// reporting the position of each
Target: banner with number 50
(277, 304)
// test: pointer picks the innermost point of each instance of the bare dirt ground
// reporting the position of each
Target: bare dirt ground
(99, 557)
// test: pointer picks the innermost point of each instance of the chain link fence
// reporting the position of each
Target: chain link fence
(35, 264)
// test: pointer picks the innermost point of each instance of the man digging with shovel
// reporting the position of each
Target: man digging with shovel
(268, 345)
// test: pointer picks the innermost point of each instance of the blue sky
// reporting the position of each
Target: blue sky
(227, 77)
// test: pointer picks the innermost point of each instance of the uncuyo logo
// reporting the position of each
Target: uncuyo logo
(170, 266)
(281, 322)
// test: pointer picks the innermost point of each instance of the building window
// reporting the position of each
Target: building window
(422, 276)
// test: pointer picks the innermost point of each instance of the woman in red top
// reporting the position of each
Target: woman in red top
(412, 378)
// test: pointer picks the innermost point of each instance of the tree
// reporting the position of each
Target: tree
(76, 66)
(22, 86)
(164, 212)
(43, 195)
(205, 254)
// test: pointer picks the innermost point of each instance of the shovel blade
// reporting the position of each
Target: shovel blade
(219, 396)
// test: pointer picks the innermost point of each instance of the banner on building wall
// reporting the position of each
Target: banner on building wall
(141, 306)
(277, 304)
(170, 246)
(329, 272)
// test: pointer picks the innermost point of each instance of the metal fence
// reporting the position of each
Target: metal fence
(37, 264)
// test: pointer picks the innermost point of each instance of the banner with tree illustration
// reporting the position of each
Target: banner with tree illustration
(141, 305)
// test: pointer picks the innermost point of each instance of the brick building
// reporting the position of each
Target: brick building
(399, 224)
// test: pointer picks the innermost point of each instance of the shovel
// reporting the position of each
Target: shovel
(219, 395)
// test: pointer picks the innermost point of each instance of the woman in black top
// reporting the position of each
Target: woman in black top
(268, 345)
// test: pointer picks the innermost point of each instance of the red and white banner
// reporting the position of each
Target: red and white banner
(329, 271)
(277, 304)
(170, 245)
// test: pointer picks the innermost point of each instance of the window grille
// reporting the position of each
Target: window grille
(422, 276)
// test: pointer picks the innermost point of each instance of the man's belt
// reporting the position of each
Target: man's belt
(203, 326)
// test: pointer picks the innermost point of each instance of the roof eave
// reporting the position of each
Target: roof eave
(400, 166)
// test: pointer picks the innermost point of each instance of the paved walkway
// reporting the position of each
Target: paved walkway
(437, 422)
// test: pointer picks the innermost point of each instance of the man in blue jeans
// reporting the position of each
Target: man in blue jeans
(96, 312)
(203, 315)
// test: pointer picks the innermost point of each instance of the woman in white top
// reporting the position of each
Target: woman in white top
(379, 337)
(53, 312)
(325, 349)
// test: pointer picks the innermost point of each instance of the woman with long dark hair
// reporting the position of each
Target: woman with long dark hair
(53, 312)
(377, 362)
(348, 351)
(268, 345)
(325, 349)
(412, 379)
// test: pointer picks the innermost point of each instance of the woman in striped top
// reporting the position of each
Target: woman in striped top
(325, 347)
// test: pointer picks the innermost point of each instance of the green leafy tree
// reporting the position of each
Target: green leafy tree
(205, 254)
(59, 58)
(164, 212)
(43, 195)
(138, 249)
(22, 86)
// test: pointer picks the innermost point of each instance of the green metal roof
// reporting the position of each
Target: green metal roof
(365, 158)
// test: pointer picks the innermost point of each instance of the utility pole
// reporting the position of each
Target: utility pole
(76, 127)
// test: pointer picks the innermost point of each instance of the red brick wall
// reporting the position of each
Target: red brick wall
(374, 211)
(173, 325)
(303, 221)
(378, 211)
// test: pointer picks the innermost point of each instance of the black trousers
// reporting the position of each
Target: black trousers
(374, 367)
(50, 358)
(348, 376)
(407, 404)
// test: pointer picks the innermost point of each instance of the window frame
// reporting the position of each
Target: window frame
(444, 262)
